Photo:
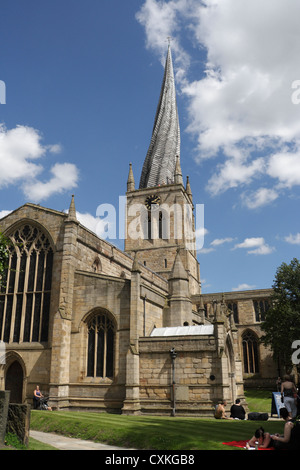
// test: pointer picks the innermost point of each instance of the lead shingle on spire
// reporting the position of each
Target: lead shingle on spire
(160, 161)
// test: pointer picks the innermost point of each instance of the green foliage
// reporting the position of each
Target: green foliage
(282, 323)
(12, 440)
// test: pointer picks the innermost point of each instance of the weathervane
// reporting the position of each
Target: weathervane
(169, 39)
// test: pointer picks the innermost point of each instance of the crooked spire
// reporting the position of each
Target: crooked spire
(164, 148)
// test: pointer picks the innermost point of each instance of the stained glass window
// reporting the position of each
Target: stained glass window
(25, 294)
(100, 357)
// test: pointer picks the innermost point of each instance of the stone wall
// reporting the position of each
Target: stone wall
(197, 368)
(247, 322)
(18, 422)
(14, 418)
(4, 403)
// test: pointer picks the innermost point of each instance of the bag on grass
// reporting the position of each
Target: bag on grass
(254, 416)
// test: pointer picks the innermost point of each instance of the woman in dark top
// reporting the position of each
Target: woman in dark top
(237, 411)
(36, 397)
(284, 442)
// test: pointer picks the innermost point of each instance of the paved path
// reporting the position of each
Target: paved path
(67, 443)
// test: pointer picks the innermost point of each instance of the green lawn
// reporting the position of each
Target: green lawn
(259, 400)
(147, 432)
(154, 432)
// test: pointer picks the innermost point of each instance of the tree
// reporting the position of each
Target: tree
(282, 321)
(4, 255)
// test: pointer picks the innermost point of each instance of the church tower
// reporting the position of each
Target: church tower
(160, 213)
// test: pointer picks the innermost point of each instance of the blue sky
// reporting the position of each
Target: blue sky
(82, 85)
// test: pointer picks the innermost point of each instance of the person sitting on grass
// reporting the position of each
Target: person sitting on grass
(282, 442)
(237, 410)
(220, 412)
(261, 439)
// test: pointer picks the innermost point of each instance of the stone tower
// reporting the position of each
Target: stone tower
(160, 213)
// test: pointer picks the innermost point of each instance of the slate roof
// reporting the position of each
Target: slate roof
(160, 161)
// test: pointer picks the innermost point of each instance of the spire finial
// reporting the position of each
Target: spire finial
(135, 265)
(188, 189)
(178, 270)
(72, 211)
(130, 180)
(178, 173)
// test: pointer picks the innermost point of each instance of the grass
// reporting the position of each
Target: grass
(145, 432)
(259, 400)
(152, 432)
(155, 432)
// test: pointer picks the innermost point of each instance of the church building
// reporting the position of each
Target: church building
(102, 329)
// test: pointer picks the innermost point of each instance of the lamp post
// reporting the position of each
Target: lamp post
(173, 354)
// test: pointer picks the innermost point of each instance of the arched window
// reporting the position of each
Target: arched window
(25, 292)
(154, 226)
(233, 307)
(250, 353)
(260, 308)
(101, 338)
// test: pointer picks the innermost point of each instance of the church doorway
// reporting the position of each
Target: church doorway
(14, 382)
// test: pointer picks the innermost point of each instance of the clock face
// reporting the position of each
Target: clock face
(152, 200)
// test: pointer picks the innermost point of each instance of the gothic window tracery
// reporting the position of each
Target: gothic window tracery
(101, 338)
(26, 287)
(260, 308)
(250, 353)
(233, 307)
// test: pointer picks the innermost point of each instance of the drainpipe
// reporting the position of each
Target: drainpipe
(144, 301)
(173, 354)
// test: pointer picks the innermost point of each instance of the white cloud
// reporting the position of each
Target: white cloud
(246, 95)
(4, 213)
(262, 250)
(255, 246)
(214, 244)
(205, 284)
(234, 173)
(221, 241)
(88, 220)
(243, 287)
(293, 239)
(243, 105)
(19, 149)
(160, 20)
(21, 152)
(286, 168)
(102, 227)
(65, 176)
(251, 242)
(259, 198)
(204, 251)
